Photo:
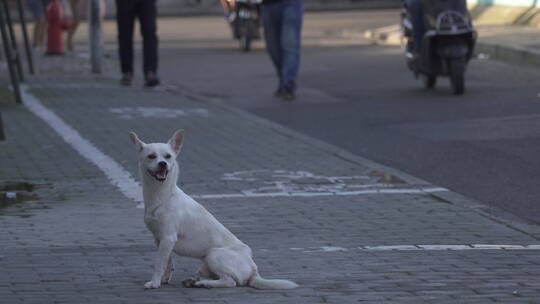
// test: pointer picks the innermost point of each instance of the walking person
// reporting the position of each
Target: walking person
(415, 9)
(39, 10)
(282, 21)
(79, 10)
(146, 12)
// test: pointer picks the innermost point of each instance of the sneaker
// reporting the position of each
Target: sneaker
(151, 80)
(279, 92)
(288, 95)
(126, 80)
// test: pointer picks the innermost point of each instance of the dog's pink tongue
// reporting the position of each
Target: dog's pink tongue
(162, 173)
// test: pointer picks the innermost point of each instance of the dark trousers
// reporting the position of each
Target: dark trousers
(416, 11)
(145, 11)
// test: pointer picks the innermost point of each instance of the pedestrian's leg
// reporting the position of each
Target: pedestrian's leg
(416, 12)
(291, 43)
(42, 38)
(102, 13)
(147, 13)
(38, 9)
(102, 9)
(125, 18)
(271, 15)
(76, 13)
(459, 6)
(40, 26)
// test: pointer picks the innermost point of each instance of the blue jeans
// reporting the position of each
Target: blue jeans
(38, 7)
(282, 22)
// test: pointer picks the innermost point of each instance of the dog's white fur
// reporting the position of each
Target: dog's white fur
(181, 225)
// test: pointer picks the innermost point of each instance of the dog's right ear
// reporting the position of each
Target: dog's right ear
(139, 145)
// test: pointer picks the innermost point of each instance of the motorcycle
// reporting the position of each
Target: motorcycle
(245, 21)
(447, 44)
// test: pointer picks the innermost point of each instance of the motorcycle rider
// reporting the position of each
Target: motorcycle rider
(415, 9)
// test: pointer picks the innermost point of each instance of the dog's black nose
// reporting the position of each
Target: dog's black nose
(162, 164)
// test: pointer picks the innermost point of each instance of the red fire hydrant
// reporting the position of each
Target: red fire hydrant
(56, 25)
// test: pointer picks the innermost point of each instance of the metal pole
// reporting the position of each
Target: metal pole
(94, 21)
(2, 135)
(16, 57)
(9, 57)
(25, 36)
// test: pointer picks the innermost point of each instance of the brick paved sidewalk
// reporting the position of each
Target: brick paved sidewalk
(345, 229)
(79, 239)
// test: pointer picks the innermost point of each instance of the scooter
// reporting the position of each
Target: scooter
(447, 44)
(245, 22)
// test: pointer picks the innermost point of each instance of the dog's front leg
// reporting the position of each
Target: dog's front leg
(165, 249)
(167, 276)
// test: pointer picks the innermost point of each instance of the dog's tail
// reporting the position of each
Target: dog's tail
(261, 283)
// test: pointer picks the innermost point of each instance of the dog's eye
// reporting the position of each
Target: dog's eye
(168, 156)
(152, 156)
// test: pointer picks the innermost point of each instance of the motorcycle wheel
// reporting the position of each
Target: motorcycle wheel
(456, 68)
(429, 80)
(246, 34)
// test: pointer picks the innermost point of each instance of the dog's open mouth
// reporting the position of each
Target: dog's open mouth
(160, 174)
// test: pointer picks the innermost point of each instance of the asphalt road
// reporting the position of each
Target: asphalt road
(359, 96)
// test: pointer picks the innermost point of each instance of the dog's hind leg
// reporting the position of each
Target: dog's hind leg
(223, 263)
(204, 273)
(224, 281)
(231, 265)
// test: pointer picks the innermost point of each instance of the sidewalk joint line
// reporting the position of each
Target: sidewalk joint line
(431, 247)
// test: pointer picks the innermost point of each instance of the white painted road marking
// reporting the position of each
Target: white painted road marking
(116, 173)
(248, 194)
(418, 248)
(95, 85)
(156, 112)
(274, 183)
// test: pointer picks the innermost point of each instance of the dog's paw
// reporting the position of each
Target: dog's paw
(166, 279)
(152, 285)
(189, 283)
(200, 284)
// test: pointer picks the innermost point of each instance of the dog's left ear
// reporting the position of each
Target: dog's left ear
(177, 140)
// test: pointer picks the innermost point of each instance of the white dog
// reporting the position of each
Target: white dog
(180, 224)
